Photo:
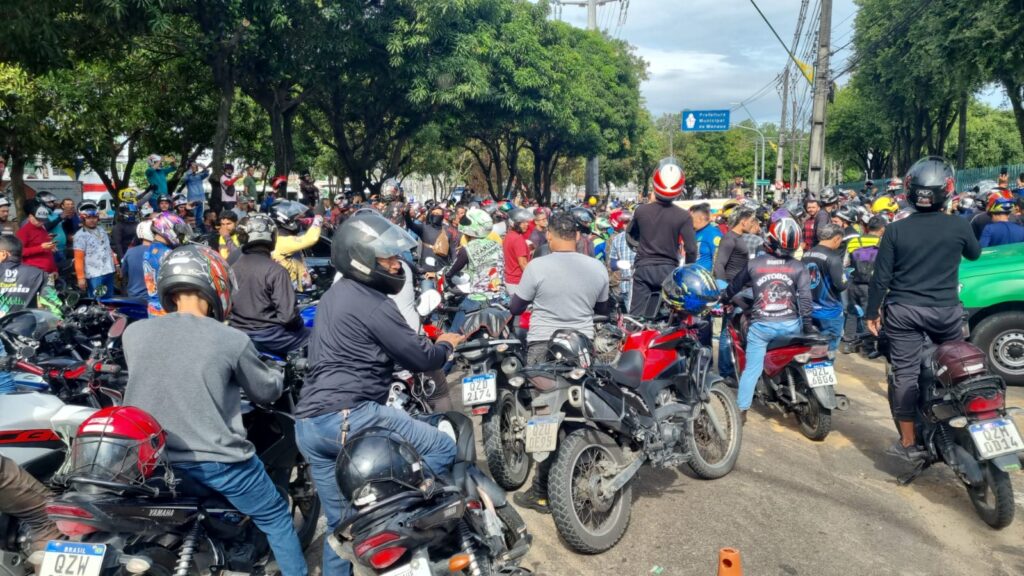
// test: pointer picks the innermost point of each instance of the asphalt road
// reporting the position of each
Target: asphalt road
(798, 508)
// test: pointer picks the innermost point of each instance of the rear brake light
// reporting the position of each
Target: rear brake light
(980, 404)
(386, 557)
(374, 541)
(72, 528)
(819, 351)
(63, 510)
(473, 504)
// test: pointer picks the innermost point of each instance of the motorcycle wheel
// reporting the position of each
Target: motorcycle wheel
(588, 524)
(816, 421)
(711, 455)
(304, 502)
(513, 528)
(506, 457)
(993, 501)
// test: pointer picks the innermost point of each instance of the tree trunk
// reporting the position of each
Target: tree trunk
(961, 144)
(224, 79)
(18, 184)
(277, 138)
(1013, 90)
(288, 125)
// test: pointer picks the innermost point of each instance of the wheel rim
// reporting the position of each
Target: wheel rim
(592, 512)
(514, 456)
(712, 448)
(1008, 351)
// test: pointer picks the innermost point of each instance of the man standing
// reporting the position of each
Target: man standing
(1000, 230)
(7, 226)
(655, 234)
(194, 192)
(824, 262)
(816, 217)
(131, 265)
(515, 248)
(708, 236)
(862, 250)
(95, 261)
(249, 182)
(538, 237)
(156, 176)
(228, 194)
(38, 245)
(731, 259)
(916, 274)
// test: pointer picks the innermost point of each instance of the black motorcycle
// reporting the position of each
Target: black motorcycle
(460, 523)
(154, 529)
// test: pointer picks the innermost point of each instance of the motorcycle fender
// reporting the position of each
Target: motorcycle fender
(489, 487)
(826, 396)
(1007, 462)
(967, 463)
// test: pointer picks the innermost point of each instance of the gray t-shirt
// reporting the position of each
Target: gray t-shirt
(564, 287)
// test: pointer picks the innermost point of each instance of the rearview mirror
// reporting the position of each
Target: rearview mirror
(117, 329)
(428, 301)
(71, 299)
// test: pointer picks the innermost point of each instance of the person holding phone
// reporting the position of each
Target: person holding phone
(38, 245)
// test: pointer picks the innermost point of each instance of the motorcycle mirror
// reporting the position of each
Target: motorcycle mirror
(117, 329)
(428, 301)
(624, 265)
(71, 299)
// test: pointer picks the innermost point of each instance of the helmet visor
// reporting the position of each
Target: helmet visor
(391, 242)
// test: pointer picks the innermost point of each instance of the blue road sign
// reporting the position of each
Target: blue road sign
(705, 120)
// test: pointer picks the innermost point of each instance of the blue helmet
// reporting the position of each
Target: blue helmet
(690, 288)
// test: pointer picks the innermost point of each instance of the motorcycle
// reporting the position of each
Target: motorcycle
(660, 404)
(799, 376)
(151, 528)
(461, 523)
(964, 422)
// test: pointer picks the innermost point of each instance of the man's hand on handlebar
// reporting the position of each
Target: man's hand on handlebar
(452, 338)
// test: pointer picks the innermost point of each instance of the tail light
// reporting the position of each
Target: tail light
(816, 351)
(70, 527)
(985, 404)
(380, 559)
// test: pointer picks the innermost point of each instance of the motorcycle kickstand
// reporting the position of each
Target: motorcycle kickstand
(909, 477)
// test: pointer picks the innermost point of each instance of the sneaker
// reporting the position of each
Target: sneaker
(910, 454)
(531, 500)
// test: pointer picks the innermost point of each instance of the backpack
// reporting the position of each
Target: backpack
(440, 247)
(863, 262)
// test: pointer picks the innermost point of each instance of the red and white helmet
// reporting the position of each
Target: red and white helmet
(620, 218)
(784, 237)
(669, 180)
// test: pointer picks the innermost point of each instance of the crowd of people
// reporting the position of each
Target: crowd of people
(221, 285)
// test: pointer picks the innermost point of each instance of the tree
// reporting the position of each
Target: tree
(857, 129)
(22, 111)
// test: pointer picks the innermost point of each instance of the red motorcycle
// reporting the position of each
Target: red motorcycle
(799, 376)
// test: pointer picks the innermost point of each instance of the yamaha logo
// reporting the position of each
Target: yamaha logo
(161, 512)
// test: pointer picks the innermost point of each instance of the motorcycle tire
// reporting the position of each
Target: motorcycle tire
(509, 467)
(816, 422)
(994, 501)
(304, 481)
(701, 426)
(580, 449)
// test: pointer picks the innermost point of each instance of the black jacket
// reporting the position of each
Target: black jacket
(20, 285)
(122, 237)
(358, 337)
(781, 286)
(657, 230)
(264, 296)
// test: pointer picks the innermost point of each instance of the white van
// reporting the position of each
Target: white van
(104, 201)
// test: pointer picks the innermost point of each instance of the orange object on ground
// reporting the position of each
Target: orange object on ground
(729, 562)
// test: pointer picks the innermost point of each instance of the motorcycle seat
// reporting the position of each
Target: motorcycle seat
(628, 370)
(795, 340)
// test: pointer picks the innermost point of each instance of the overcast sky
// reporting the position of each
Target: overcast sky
(706, 54)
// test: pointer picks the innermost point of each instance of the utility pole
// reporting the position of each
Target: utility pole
(592, 172)
(822, 85)
(780, 156)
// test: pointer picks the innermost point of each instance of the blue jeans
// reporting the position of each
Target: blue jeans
(758, 337)
(105, 280)
(199, 210)
(832, 328)
(248, 488)
(319, 441)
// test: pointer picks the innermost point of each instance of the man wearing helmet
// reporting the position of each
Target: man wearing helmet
(264, 304)
(287, 214)
(781, 301)
(515, 248)
(916, 278)
(1000, 230)
(38, 246)
(166, 229)
(156, 176)
(358, 337)
(7, 226)
(206, 442)
(95, 261)
(481, 258)
(656, 232)
(621, 251)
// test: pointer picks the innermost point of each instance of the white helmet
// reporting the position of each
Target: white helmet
(153, 160)
(145, 231)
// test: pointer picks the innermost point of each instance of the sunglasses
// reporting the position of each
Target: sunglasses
(90, 214)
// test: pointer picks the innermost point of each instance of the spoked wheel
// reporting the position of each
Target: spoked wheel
(993, 500)
(588, 521)
(504, 447)
(715, 434)
(304, 502)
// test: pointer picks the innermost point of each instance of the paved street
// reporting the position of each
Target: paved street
(793, 507)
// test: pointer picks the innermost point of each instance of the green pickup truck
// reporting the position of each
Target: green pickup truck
(992, 291)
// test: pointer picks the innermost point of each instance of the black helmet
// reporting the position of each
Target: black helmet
(286, 213)
(584, 219)
(257, 230)
(928, 182)
(569, 347)
(828, 196)
(375, 464)
(848, 213)
(796, 209)
(196, 268)
(362, 239)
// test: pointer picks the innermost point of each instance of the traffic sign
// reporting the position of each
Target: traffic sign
(705, 120)
(762, 182)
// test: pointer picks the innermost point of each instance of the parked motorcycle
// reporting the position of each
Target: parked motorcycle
(963, 420)
(660, 404)
(799, 376)
(459, 523)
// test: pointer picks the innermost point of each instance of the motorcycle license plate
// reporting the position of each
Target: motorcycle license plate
(996, 437)
(414, 568)
(542, 433)
(79, 559)
(820, 374)
(480, 389)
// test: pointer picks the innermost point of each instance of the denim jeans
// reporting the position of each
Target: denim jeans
(725, 367)
(199, 210)
(832, 328)
(758, 337)
(248, 488)
(106, 280)
(319, 441)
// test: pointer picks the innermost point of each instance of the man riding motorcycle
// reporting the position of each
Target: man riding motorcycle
(358, 337)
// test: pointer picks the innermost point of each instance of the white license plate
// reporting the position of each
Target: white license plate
(72, 558)
(415, 568)
(820, 374)
(542, 433)
(996, 437)
(480, 389)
